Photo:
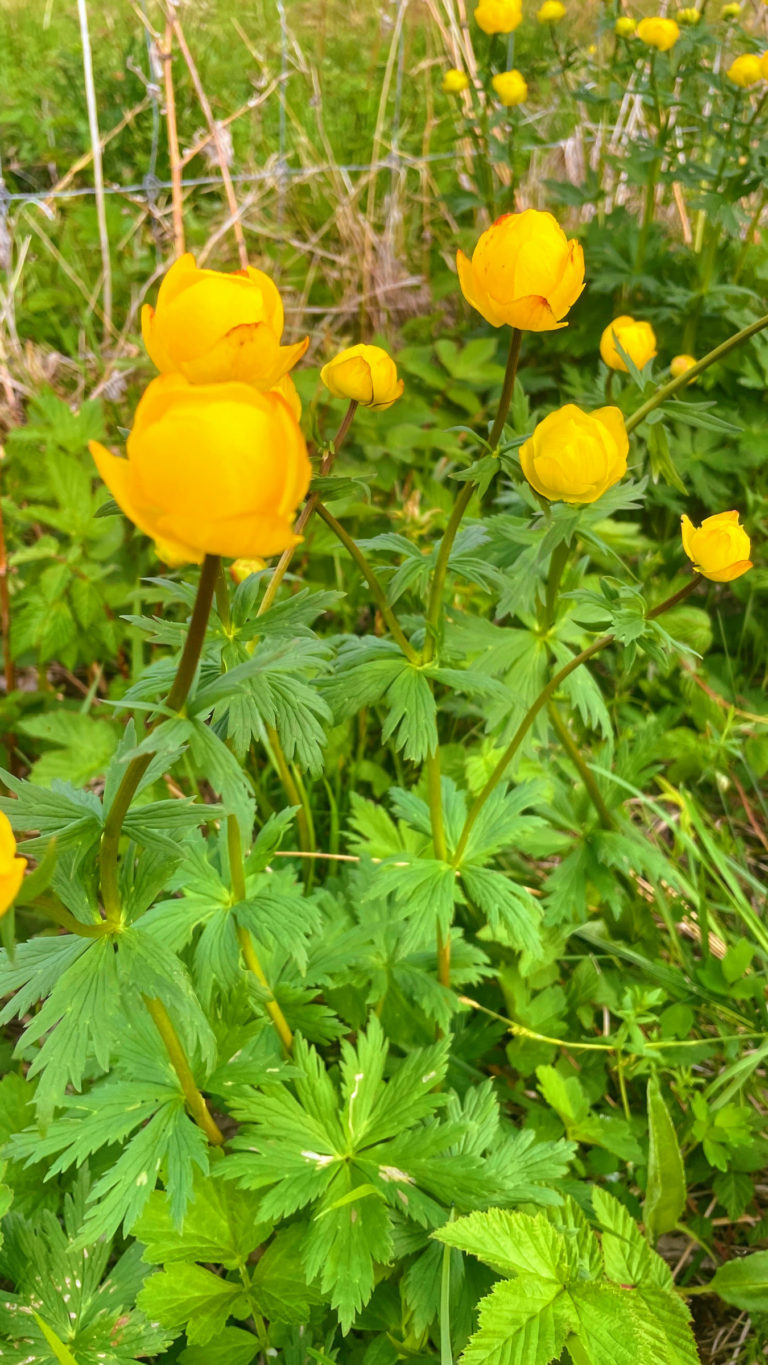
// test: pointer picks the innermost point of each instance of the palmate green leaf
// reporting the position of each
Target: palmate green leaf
(666, 1190)
(351, 1232)
(513, 913)
(278, 1289)
(423, 891)
(233, 1346)
(372, 671)
(195, 1299)
(412, 714)
(73, 817)
(221, 1225)
(275, 688)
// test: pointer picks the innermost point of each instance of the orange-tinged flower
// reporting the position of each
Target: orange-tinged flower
(746, 70)
(680, 365)
(365, 375)
(211, 469)
(499, 16)
(659, 33)
(575, 456)
(719, 548)
(213, 327)
(511, 87)
(524, 272)
(11, 866)
(638, 339)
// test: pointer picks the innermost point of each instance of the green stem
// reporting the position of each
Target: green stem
(446, 1348)
(557, 563)
(303, 814)
(667, 390)
(113, 825)
(547, 692)
(375, 586)
(177, 1057)
(222, 598)
(462, 502)
(585, 773)
(250, 956)
(306, 512)
(435, 801)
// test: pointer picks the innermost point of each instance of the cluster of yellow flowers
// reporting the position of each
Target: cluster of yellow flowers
(526, 274)
(217, 463)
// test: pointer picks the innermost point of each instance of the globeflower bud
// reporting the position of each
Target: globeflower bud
(659, 33)
(11, 866)
(688, 16)
(454, 82)
(624, 26)
(240, 569)
(213, 327)
(212, 469)
(575, 456)
(551, 12)
(719, 548)
(524, 272)
(680, 365)
(499, 16)
(730, 11)
(510, 87)
(746, 70)
(636, 338)
(365, 375)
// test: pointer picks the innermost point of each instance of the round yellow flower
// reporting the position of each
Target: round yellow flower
(746, 70)
(524, 272)
(499, 16)
(680, 365)
(11, 866)
(511, 87)
(214, 469)
(730, 11)
(575, 456)
(240, 569)
(551, 12)
(454, 82)
(365, 375)
(719, 548)
(636, 338)
(688, 16)
(213, 327)
(624, 26)
(658, 32)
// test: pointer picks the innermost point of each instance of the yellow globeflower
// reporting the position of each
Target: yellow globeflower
(11, 866)
(511, 87)
(746, 70)
(551, 12)
(214, 469)
(730, 11)
(719, 548)
(523, 272)
(688, 16)
(240, 569)
(658, 32)
(680, 365)
(214, 327)
(499, 16)
(636, 338)
(365, 375)
(624, 26)
(454, 82)
(287, 390)
(574, 456)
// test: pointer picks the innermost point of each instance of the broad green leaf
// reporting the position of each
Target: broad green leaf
(233, 1346)
(666, 1192)
(521, 1322)
(193, 1298)
(510, 1243)
(221, 1225)
(744, 1282)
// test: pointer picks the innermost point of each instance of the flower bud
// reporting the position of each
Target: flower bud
(746, 70)
(730, 11)
(524, 272)
(216, 469)
(240, 569)
(719, 548)
(11, 866)
(454, 82)
(624, 26)
(574, 456)
(659, 33)
(636, 338)
(365, 375)
(510, 87)
(213, 327)
(551, 12)
(690, 16)
(499, 16)
(680, 365)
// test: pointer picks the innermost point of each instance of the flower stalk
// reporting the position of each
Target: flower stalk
(245, 939)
